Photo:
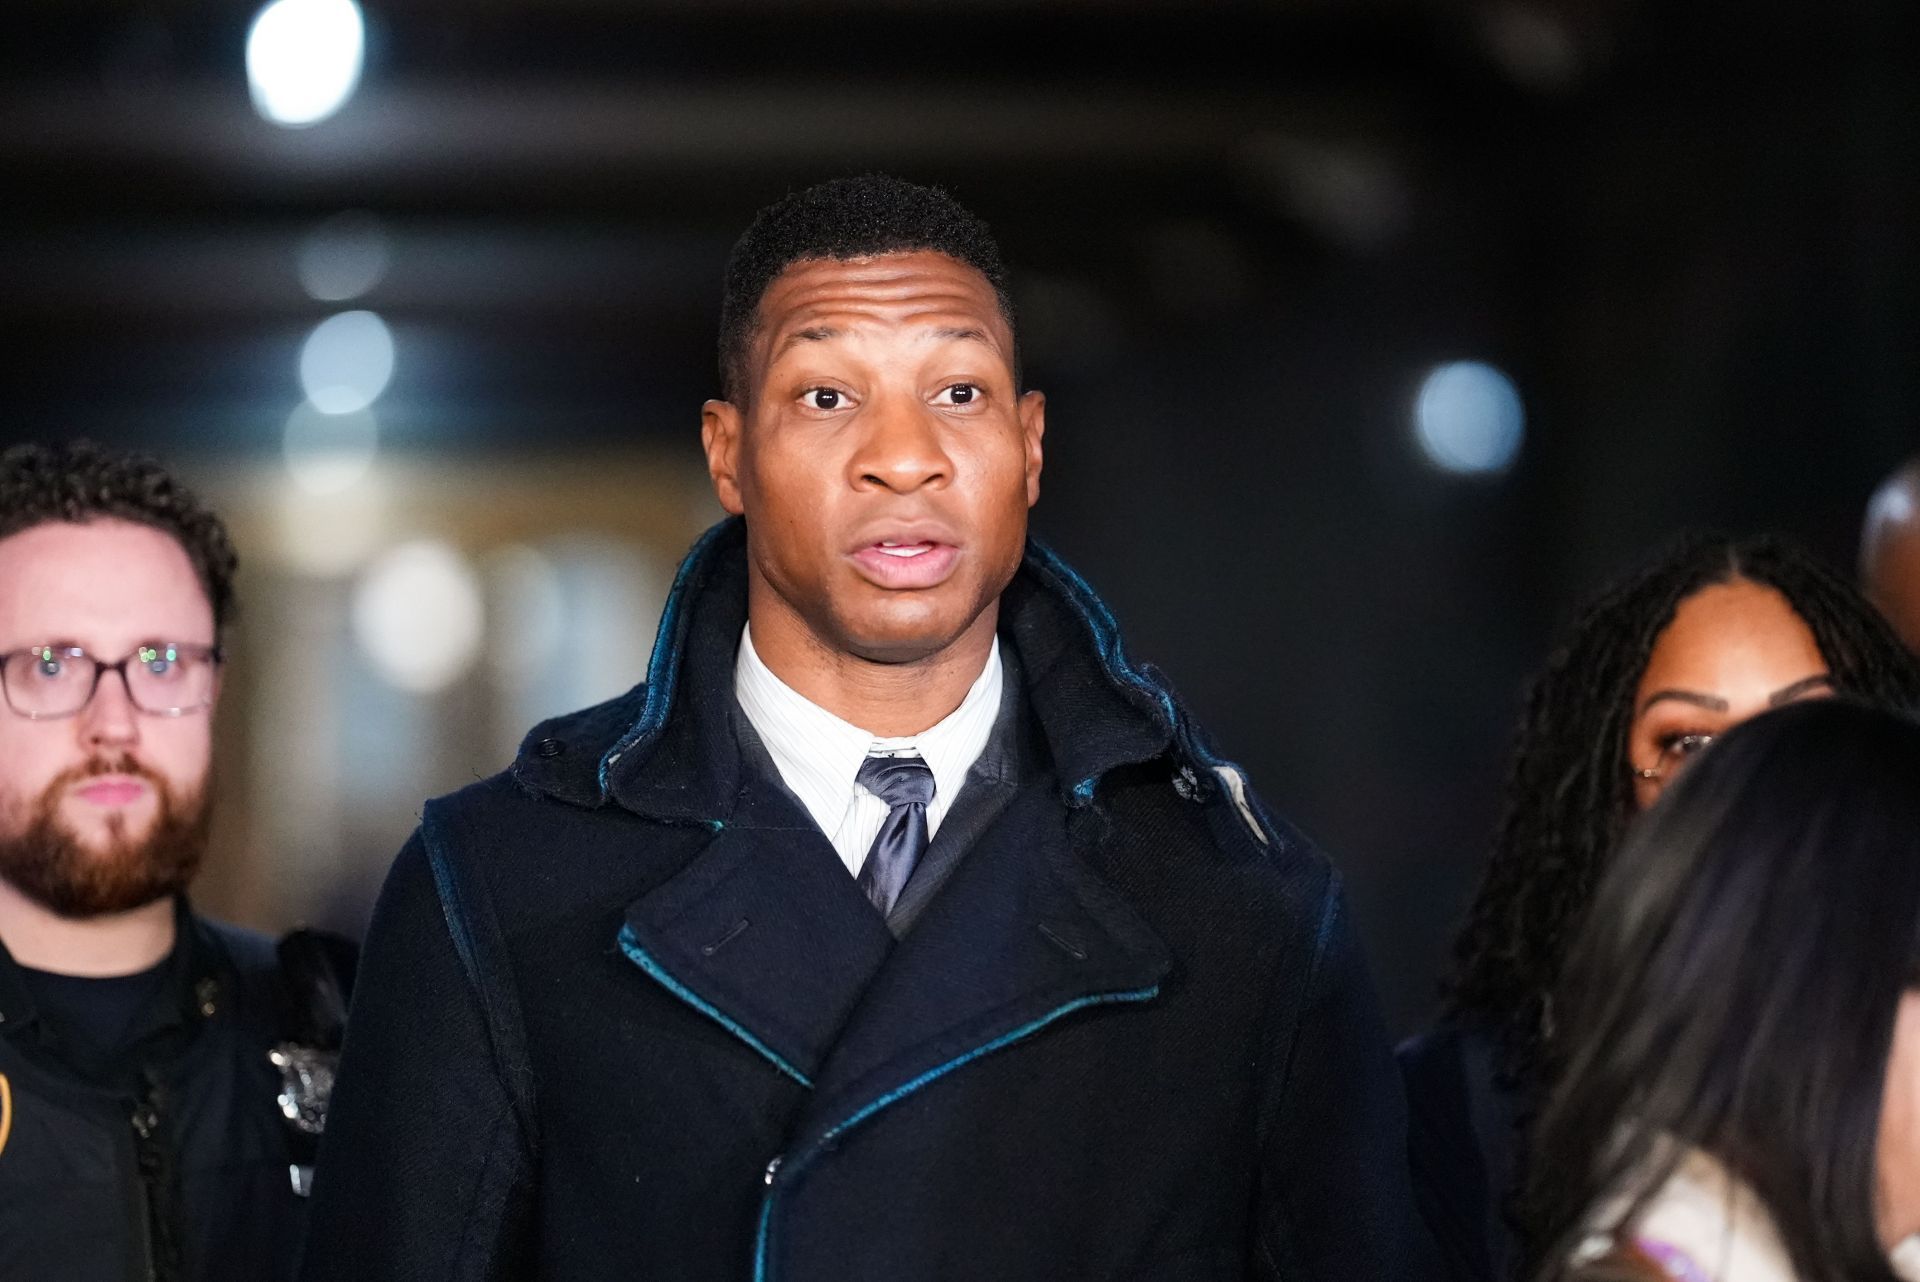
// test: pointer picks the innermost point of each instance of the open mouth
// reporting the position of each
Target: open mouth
(907, 564)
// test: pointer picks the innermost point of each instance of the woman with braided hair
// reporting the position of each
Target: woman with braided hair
(1709, 633)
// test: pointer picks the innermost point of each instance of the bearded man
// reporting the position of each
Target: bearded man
(156, 1068)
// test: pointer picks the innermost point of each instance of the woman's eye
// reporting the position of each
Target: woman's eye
(821, 398)
(1685, 745)
(960, 394)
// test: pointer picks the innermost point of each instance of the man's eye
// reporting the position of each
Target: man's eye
(821, 398)
(960, 394)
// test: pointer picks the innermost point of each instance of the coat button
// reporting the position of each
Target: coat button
(549, 748)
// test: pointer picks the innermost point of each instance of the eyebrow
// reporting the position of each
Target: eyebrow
(1788, 693)
(1713, 703)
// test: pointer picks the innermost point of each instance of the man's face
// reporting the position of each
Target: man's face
(108, 805)
(885, 461)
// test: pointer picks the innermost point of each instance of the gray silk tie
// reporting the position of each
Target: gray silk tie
(906, 785)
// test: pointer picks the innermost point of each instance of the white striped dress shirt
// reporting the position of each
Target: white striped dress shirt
(818, 754)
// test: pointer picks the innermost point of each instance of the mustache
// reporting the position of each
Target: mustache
(95, 767)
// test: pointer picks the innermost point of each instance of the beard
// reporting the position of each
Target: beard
(49, 864)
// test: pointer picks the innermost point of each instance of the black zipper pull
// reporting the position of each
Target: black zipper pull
(159, 1204)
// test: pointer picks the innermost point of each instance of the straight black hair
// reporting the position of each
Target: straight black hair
(1735, 984)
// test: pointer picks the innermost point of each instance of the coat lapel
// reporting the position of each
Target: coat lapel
(1023, 934)
(765, 933)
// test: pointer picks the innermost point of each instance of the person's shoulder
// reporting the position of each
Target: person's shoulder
(545, 835)
(1194, 840)
(1208, 816)
(294, 986)
(560, 759)
(250, 952)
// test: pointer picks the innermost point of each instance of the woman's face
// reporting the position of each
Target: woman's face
(1898, 1154)
(1732, 650)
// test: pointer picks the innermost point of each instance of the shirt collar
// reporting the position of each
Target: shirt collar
(819, 754)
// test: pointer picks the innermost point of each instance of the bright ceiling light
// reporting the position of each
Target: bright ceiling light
(304, 59)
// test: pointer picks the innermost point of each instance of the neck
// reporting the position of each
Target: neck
(114, 944)
(888, 700)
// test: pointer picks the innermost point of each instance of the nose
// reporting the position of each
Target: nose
(902, 448)
(110, 719)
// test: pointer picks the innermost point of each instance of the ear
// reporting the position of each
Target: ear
(720, 423)
(1033, 426)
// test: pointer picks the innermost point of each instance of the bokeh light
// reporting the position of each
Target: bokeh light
(343, 257)
(1468, 419)
(418, 615)
(304, 59)
(346, 362)
(327, 453)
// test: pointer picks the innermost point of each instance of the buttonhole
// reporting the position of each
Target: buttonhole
(1065, 945)
(708, 950)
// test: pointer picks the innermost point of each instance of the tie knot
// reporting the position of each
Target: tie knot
(898, 781)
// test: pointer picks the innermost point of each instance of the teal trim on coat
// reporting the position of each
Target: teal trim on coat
(644, 960)
(762, 1268)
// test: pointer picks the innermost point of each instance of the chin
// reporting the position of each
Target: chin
(102, 834)
(904, 637)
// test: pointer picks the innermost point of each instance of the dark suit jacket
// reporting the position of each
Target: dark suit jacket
(623, 1013)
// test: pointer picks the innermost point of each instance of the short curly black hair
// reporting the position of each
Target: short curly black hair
(843, 219)
(81, 481)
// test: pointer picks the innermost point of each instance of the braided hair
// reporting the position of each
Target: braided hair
(1569, 794)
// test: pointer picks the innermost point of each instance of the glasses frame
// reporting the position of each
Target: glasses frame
(213, 654)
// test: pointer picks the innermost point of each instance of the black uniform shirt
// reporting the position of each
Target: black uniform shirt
(101, 1024)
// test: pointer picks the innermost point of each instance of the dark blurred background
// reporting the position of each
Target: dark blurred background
(1375, 333)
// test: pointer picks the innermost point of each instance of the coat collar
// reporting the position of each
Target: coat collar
(664, 749)
(765, 933)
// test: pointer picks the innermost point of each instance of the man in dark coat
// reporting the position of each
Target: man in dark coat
(161, 1074)
(898, 926)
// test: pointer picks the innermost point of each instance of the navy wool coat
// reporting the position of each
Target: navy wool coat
(621, 1016)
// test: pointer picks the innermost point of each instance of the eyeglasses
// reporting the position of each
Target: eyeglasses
(1675, 756)
(163, 679)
